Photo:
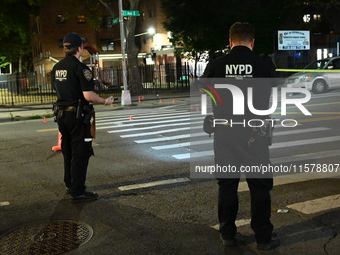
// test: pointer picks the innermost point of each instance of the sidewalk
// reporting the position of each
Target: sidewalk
(26, 112)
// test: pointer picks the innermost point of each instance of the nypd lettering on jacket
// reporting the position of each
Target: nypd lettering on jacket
(61, 75)
(239, 70)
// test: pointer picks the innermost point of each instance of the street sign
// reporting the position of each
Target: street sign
(131, 13)
(115, 21)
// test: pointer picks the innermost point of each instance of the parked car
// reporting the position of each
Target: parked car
(317, 82)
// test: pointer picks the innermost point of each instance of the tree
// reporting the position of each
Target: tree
(134, 81)
(3, 63)
(193, 29)
(15, 32)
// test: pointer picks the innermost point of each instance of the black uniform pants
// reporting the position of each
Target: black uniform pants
(76, 150)
(232, 150)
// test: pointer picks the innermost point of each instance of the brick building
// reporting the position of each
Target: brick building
(54, 22)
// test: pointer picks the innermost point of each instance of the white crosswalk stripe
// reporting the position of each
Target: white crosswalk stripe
(174, 128)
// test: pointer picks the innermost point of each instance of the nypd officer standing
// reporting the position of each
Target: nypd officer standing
(239, 145)
(74, 85)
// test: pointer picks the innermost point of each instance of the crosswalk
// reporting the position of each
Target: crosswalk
(177, 131)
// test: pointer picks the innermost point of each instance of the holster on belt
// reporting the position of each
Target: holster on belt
(93, 124)
(88, 114)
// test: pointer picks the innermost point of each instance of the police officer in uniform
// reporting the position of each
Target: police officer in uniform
(239, 145)
(74, 86)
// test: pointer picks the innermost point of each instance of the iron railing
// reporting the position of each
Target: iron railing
(31, 88)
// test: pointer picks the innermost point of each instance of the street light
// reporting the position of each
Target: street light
(151, 31)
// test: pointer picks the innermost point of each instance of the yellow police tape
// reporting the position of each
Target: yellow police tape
(308, 70)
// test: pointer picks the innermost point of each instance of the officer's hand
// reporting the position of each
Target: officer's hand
(109, 100)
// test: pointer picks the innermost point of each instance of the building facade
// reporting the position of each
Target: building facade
(103, 44)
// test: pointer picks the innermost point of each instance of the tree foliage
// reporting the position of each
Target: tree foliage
(200, 25)
(15, 31)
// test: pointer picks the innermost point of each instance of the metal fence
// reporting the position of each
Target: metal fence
(24, 88)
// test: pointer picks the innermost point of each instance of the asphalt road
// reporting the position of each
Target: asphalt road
(150, 204)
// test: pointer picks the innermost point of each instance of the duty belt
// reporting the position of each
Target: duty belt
(68, 108)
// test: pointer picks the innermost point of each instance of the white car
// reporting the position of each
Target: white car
(315, 81)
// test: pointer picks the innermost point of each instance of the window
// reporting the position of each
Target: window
(81, 19)
(150, 13)
(317, 17)
(60, 19)
(35, 26)
(106, 22)
(107, 45)
(335, 64)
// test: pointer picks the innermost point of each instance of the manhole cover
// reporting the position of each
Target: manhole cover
(50, 237)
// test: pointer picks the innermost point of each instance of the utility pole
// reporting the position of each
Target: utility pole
(126, 97)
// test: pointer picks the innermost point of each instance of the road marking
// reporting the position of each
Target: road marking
(305, 142)
(307, 207)
(4, 203)
(291, 178)
(152, 127)
(139, 119)
(198, 154)
(142, 115)
(274, 146)
(318, 119)
(193, 143)
(152, 184)
(313, 113)
(155, 132)
(169, 138)
(178, 145)
(238, 223)
(47, 130)
(317, 205)
(314, 155)
(132, 123)
(160, 132)
(300, 131)
(275, 161)
(310, 206)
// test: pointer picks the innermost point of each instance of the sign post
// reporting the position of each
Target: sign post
(126, 97)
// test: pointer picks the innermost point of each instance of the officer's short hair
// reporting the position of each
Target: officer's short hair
(242, 31)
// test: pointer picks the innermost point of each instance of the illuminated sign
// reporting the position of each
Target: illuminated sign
(293, 40)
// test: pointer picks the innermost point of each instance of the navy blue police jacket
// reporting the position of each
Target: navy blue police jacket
(243, 68)
(70, 78)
